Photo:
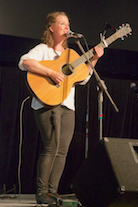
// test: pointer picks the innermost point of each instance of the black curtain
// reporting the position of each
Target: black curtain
(13, 91)
(122, 124)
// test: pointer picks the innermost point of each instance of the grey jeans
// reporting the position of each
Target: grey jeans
(56, 126)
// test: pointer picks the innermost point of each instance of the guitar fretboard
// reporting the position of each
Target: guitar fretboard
(91, 52)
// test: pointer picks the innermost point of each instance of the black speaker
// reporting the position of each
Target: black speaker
(109, 175)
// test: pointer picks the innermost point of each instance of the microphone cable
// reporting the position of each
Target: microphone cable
(20, 145)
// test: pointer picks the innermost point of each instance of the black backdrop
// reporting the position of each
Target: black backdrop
(117, 68)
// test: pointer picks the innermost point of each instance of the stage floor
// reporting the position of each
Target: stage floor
(16, 200)
(70, 200)
(26, 200)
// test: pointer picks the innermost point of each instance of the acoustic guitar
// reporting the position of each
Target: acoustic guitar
(72, 66)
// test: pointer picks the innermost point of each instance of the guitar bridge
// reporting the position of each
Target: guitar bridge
(56, 84)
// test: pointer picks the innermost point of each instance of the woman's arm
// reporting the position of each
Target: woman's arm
(34, 66)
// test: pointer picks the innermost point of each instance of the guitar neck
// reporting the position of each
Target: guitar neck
(91, 52)
(108, 41)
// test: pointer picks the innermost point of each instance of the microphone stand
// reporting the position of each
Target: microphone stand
(102, 88)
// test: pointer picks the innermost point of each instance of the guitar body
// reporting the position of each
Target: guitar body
(46, 90)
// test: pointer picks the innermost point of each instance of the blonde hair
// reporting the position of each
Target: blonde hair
(47, 35)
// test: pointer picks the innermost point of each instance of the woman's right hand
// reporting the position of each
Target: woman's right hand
(56, 76)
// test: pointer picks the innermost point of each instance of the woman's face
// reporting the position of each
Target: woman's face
(61, 27)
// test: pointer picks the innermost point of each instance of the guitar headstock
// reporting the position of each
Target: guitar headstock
(124, 30)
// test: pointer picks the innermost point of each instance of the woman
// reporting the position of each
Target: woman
(56, 124)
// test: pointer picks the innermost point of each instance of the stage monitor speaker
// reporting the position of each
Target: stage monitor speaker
(109, 176)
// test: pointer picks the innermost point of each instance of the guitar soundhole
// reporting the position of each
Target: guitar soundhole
(67, 69)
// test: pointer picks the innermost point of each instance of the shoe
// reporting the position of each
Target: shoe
(45, 198)
(57, 197)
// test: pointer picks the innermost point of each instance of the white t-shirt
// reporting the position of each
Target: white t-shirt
(42, 52)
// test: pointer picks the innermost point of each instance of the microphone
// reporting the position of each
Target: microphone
(107, 26)
(73, 34)
(135, 89)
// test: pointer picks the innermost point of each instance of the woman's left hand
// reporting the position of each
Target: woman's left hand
(99, 51)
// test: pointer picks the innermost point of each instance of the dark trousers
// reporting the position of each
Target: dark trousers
(56, 126)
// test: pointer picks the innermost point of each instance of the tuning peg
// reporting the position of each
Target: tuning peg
(122, 38)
